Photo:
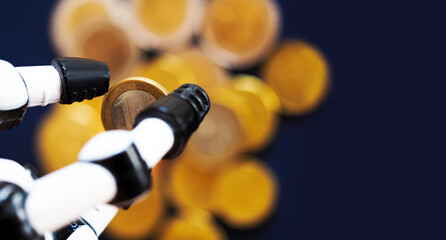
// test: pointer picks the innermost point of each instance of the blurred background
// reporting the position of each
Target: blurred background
(328, 165)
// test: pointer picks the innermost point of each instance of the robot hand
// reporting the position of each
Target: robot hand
(114, 168)
(15, 181)
(65, 81)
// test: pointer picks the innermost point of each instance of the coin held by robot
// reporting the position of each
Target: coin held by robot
(126, 99)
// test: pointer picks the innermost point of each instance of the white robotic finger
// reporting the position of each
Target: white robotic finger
(13, 92)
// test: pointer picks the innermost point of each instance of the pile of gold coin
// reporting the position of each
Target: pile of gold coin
(154, 46)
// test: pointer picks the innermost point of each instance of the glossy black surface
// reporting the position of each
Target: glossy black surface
(12, 118)
(81, 78)
(13, 222)
(183, 110)
(131, 173)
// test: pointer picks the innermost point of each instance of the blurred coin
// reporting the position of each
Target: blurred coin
(141, 220)
(245, 195)
(169, 70)
(196, 224)
(264, 104)
(165, 24)
(190, 187)
(94, 29)
(238, 33)
(298, 73)
(221, 135)
(69, 15)
(107, 42)
(161, 176)
(63, 133)
(126, 99)
(206, 72)
(195, 215)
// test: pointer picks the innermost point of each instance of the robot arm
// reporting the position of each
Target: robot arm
(65, 81)
(114, 167)
(16, 180)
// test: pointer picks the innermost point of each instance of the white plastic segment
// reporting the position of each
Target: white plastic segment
(13, 92)
(83, 233)
(62, 196)
(105, 145)
(48, 236)
(13, 172)
(99, 217)
(43, 84)
(153, 138)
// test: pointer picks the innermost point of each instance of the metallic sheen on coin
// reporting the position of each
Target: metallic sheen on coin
(126, 99)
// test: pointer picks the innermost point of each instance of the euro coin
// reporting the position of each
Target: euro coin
(195, 215)
(261, 124)
(221, 135)
(94, 29)
(63, 133)
(206, 72)
(298, 73)
(245, 195)
(126, 99)
(169, 70)
(162, 178)
(140, 220)
(193, 225)
(165, 24)
(69, 15)
(238, 33)
(109, 43)
(190, 187)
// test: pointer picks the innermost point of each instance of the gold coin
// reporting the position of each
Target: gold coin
(238, 33)
(206, 72)
(63, 133)
(195, 215)
(195, 224)
(298, 73)
(141, 220)
(221, 135)
(169, 70)
(190, 187)
(161, 16)
(165, 24)
(69, 15)
(261, 124)
(126, 99)
(106, 42)
(245, 195)
(94, 29)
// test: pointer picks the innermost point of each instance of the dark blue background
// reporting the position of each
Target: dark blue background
(366, 165)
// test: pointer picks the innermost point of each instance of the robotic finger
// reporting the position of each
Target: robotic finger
(65, 81)
(114, 169)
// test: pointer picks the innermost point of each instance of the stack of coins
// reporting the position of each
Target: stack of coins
(153, 47)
